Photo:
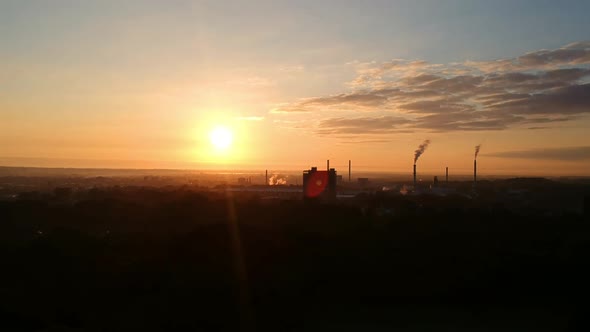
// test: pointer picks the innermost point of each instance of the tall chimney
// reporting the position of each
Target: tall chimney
(328, 165)
(349, 171)
(414, 176)
(447, 175)
(266, 178)
(474, 171)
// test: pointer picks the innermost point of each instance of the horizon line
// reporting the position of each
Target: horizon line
(362, 171)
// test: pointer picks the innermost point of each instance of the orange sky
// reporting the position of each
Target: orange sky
(130, 88)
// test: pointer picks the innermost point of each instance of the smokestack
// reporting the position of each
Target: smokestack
(349, 171)
(414, 176)
(328, 165)
(447, 175)
(474, 171)
(266, 178)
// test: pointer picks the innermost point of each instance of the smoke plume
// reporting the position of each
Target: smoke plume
(277, 180)
(420, 150)
(477, 147)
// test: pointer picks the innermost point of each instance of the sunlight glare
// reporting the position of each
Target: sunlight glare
(221, 138)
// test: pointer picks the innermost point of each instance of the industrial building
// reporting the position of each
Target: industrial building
(319, 184)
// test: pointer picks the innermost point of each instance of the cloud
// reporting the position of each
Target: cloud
(576, 53)
(574, 99)
(288, 109)
(365, 141)
(566, 154)
(362, 125)
(573, 54)
(545, 86)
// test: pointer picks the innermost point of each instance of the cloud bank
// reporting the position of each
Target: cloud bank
(530, 91)
(565, 154)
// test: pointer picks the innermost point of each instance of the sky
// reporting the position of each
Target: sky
(142, 84)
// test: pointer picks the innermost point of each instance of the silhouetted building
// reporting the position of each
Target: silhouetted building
(319, 184)
(363, 181)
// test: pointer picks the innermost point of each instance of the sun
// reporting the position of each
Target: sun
(221, 138)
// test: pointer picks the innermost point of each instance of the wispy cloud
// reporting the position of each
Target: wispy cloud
(544, 86)
(567, 154)
(362, 125)
(288, 109)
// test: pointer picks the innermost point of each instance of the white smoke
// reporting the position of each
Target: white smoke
(277, 180)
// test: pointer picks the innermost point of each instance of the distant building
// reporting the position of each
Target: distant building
(319, 184)
(243, 181)
(363, 181)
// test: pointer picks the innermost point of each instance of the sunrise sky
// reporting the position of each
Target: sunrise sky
(289, 84)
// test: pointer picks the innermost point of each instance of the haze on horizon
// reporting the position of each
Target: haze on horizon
(289, 84)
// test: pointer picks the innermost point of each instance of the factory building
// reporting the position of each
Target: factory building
(319, 184)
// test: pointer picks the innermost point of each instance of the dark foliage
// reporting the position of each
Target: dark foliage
(179, 260)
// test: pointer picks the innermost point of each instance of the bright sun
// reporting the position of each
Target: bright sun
(221, 138)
